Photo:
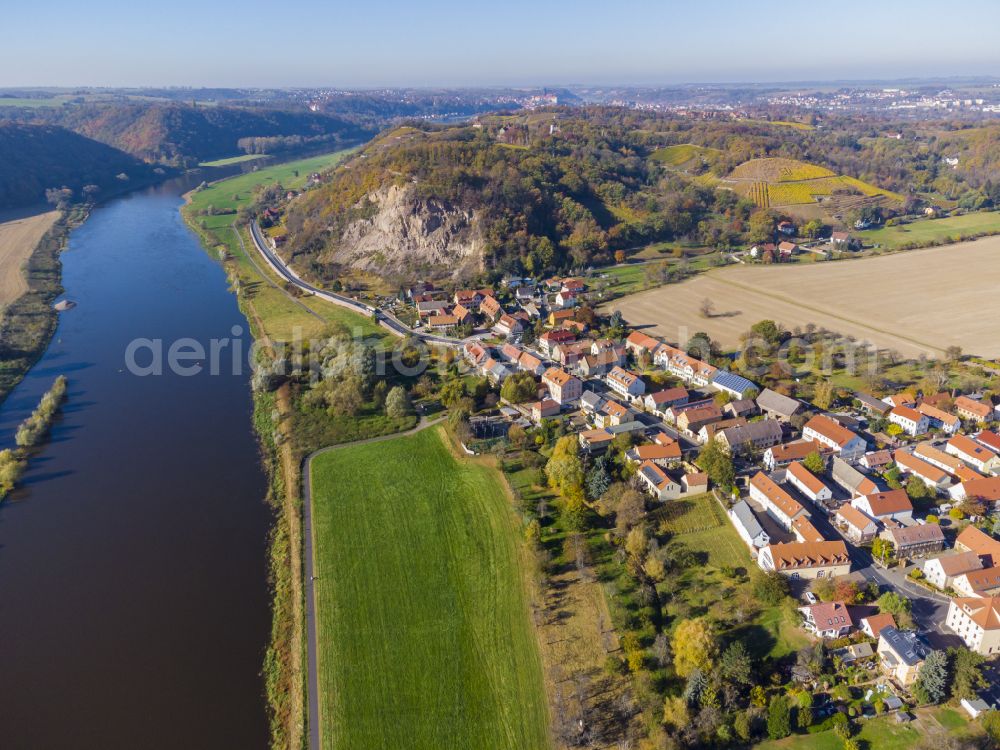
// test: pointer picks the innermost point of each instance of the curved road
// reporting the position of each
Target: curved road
(385, 319)
(312, 642)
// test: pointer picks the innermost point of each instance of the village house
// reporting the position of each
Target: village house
(596, 365)
(496, 372)
(657, 482)
(827, 619)
(508, 326)
(692, 420)
(927, 452)
(977, 622)
(984, 582)
(470, 298)
(663, 456)
(846, 444)
(910, 420)
(491, 308)
(660, 401)
(873, 406)
(986, 490)
(914, 541)
(892, 505)
(566, 300)
(577, 286)
(782, 455)
(776, 406)
(807, 483)
(975, 454)
(612, 414)
(569, 354)
(595, 441)
(543, 410)
(806, 560)
(778, 504)
(639, 343)
(973, 410)
(624, 383)
(850, 479)
(431, 308)
(735, 385)
(687, 368)
(674, 412)
(441, 322)
(857, 527)
(840, 238)
(940, 420)
(528, 362)
(804, 530)
(990, 439)
(748, 527)
(742, 407)
(695, 482)
(549, 340)
(932, 476)
(563, 387)
(972, 539)
(591, 402)
(876, 460)
(462, 314)
(474, 353)
(901, 654)
(709, 431)
(751, 437)
(873, 625)
(556, 317)
(904, 398)
(941, 571)
(787, 249)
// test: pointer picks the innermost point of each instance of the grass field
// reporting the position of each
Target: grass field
(281, 315)
(916, 302)
(949, 229)
(425, 640)
(18, 239)
(232, 160)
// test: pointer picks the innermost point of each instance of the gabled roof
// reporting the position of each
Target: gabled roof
(747, 518)
(928, 452)
(828, 615)
(893, 501)
(668, 395)
(918, 466)
(642, 341)
(972, 406)
(655, 475)
(830, 429)
(963, 562)
(907, 647)
(987, 489)
(765, 429)
(654, 452)
(795, 451)
(978, 541)
(558, 376)
(932, 412)
(847, 476)
(873, 404)
(805, 530)
(734, 382)
(776, 495)
(919, 534)
(854, 517)
(905, 412)
(808, 554)
(983, 579)
(623, 376)
(776, 403)
(876, 623)
(984, 611)
(971, 448)
(990, 439)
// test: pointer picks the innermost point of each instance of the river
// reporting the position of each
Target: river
(134, 609)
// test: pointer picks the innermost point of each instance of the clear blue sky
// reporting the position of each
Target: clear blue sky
(446, 42)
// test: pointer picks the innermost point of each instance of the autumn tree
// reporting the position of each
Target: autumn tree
(695, 645)
(715, 461)
(397, 403)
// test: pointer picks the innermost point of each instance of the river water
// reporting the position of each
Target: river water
(134, 610)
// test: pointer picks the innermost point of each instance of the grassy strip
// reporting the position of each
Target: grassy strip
(424, 636)
(931, 232)
(232, 160)
(29, 322)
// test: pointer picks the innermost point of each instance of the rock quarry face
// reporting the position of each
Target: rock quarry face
(407, 234)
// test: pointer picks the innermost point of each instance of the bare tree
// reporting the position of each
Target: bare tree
(707, 308)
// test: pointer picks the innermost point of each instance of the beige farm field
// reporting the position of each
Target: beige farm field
(18, 238)
(915, 302)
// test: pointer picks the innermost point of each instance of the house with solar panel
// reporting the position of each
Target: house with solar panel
(736, 386)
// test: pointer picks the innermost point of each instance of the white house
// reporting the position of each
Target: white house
(857, 527)
(831, 433)
(977, 622)
(781, 506)
(910, 420)
(942, 571)
(807, 483)
(657, 482)
(978, 456)
(883, 506)
(625, 383)
(827, 619)
(748, 527)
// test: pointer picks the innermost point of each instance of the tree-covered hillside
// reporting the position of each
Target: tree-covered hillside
(36, 158)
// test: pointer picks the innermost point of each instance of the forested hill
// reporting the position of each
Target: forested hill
(566, 188)
(34, 158)
(182, 135)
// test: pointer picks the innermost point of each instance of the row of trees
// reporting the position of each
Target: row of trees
(33, 430)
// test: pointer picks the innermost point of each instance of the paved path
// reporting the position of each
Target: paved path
(385, 319)
(312, 648)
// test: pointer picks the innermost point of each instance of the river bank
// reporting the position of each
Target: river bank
(274, 315)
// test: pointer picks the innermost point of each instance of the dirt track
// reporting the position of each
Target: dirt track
(18, 238)
(915, 302)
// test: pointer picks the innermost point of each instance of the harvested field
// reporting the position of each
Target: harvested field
(915, 302)
(18, 239)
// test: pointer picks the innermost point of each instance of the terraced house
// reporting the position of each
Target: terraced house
(624, 383)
